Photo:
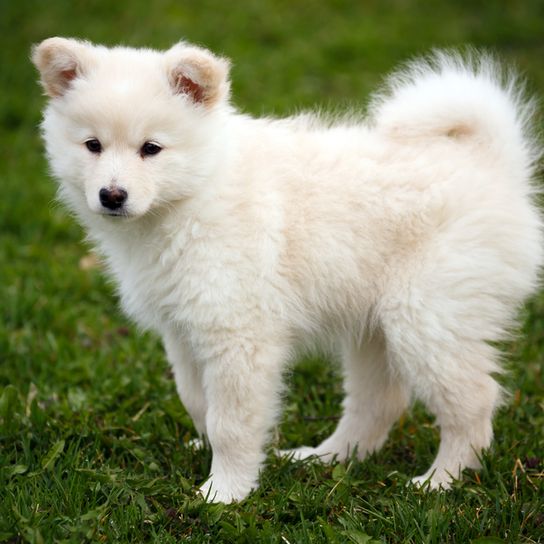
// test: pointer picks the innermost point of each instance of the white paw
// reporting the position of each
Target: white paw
(431, 483)
(297, 454)
(305, 452)
(215, 491)
(196, 444)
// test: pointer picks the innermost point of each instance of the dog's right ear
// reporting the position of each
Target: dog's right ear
(60, 61)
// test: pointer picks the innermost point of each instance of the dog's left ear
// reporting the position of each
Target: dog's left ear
(198, 74)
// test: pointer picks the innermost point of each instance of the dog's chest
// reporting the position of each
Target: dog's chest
(168, 277)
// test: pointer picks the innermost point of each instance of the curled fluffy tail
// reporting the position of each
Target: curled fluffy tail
(469, 98)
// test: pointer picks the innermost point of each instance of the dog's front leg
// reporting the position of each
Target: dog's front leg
(242, 382)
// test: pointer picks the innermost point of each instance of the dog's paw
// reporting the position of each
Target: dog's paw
(214, 491)
(196, 444)
(297, 454)
(305, 452)
(430, 483)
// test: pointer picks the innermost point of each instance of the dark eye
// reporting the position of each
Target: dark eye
(93, 145)
(149, 148)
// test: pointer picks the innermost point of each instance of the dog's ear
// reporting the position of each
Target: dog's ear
(198, 74)
(60, 61)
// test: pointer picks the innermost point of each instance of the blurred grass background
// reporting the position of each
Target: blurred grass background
(91, 431)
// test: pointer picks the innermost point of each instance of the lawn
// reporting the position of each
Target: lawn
(93, 439)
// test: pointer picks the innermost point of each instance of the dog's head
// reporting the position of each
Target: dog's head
(129, 130)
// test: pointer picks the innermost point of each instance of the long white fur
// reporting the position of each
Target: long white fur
(406, 241)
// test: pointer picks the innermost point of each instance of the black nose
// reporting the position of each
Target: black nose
(112, 199)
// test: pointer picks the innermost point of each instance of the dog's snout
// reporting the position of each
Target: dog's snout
(113, 199)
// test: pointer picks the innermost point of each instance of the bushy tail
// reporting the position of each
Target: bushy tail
(467, 97)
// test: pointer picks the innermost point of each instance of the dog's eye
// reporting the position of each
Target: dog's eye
(93, 145)
(149, 148)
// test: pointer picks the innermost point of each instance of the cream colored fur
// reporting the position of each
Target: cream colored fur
(405, 241)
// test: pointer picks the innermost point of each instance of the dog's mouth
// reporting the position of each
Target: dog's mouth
(116, 213)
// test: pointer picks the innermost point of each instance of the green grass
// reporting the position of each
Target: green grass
(92, 434)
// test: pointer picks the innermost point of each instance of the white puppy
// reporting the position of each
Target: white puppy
(406, 241)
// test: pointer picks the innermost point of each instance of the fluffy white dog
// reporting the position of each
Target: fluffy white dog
(405, 241)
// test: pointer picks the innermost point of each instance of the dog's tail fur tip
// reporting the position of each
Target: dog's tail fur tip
(466, 97)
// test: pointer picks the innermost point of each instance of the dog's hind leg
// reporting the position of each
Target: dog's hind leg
(451, 374)
(374, 400)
